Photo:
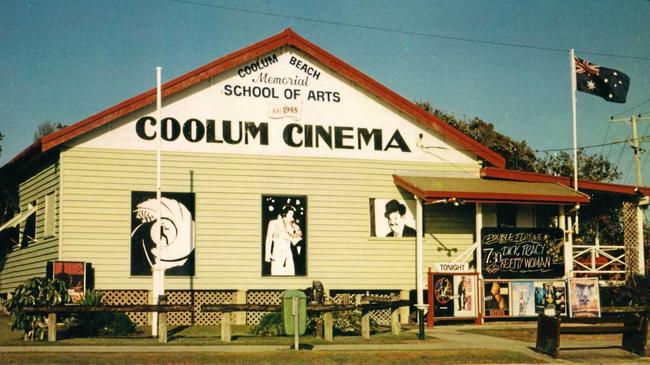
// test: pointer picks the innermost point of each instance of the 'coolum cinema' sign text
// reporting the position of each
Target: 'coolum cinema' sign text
(283, 103)
(294, 135)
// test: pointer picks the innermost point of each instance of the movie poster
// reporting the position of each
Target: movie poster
(465, 298)
(497, 298)
(284, 235)
(523, 299)
(176, 237)
(584, 298)
(443, 295)
(392, 218)
(550, 297)
(73, 274)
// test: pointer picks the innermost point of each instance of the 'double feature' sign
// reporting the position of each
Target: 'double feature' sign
(517, 253)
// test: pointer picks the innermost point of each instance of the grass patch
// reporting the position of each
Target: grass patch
(278, 358)
(530, 335)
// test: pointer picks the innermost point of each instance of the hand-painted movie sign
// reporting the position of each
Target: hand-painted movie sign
(284, 235)
(517, 253)
(168, 244)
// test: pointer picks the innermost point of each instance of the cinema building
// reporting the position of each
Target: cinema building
(280, 165)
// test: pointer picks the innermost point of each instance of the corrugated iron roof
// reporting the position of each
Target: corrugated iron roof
(481, 190)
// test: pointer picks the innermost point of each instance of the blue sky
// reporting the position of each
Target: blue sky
(63, 61)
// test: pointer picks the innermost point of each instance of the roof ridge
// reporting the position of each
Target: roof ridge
(287, 37)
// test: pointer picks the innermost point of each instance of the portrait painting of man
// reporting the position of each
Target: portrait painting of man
(392, 218)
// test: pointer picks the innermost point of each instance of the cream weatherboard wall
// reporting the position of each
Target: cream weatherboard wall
(97, 186)
(30, 261)
(282, 124)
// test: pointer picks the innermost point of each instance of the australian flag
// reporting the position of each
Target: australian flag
(609, 84)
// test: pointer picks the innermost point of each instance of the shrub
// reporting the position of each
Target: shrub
(270, 325)
(348, 323)
(635, 292)
(35, 292)
(108, 324)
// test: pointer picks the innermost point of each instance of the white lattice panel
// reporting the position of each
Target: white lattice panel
(630, 237)
(197, 299)
(128, 297)
(381, 316)
(261, 297)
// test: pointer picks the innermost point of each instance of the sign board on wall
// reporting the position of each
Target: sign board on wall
(496, 298)
(176, 237)
(392, 218)
(522, 253)
(284, 235)
(455, 295)
(283, 103)
(550, 297)
(451, 267)
(73, 274)
(584, 297)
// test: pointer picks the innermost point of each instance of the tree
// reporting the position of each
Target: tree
(46, 128)
(518, 155)
(590, 167)
(601, 217)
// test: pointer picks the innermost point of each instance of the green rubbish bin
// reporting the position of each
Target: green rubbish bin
(288, 311)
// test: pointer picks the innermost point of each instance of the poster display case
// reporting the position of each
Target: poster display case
(453, 296)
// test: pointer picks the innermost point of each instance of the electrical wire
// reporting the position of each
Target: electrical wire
(399, 31)
(632, 108)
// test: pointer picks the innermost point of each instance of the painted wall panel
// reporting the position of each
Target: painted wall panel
(97, 187)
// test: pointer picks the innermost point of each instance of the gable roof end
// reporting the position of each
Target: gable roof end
(286, 38)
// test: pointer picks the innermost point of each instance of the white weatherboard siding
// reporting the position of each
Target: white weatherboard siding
(98, 183)
(285, 98)
(23, 263)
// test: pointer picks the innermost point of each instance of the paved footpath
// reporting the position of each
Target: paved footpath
(440, 337)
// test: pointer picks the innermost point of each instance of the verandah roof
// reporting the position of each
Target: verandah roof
(430, 188)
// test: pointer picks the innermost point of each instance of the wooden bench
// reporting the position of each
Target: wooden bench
(634, 329)
(162, 309)
(326, 309)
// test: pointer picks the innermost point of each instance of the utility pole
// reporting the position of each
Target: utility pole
(634, 246)
(635, 142)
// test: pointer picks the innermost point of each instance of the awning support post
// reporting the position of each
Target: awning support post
(419, 266)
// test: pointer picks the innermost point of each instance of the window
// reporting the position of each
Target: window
(506, 215)
(29, 228)
(50, 202)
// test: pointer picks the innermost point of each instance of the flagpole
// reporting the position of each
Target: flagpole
(575, 133)
(158, 274)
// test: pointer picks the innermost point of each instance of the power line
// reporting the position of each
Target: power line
(399, 31)
(641, 139)
(632, 108)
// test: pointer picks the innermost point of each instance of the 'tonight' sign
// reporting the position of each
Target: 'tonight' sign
(516, 253)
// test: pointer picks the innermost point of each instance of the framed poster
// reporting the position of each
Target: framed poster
(443, 295)
(523, 299)
(584, 297)
(522, 253)
(550, 297)
(392, 218)
(73, 274)
(466, 295)
(176, 238)
(284, 235)
(496, 298)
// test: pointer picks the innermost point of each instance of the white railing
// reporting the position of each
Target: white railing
(598, 259)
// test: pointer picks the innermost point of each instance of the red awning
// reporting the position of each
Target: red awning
(431, 189)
